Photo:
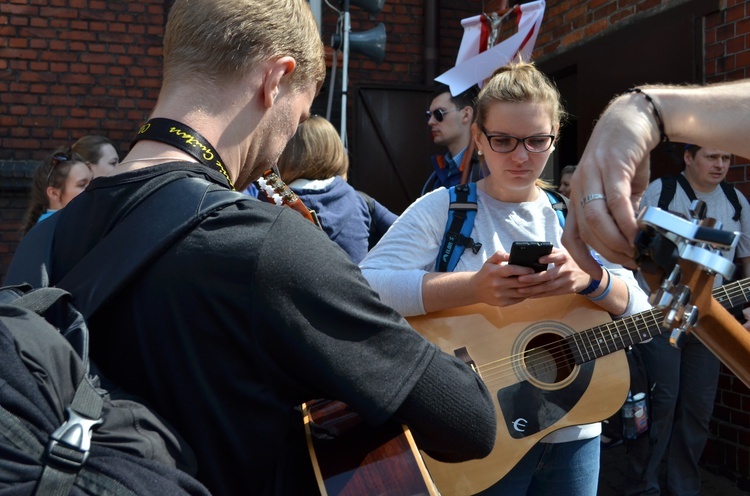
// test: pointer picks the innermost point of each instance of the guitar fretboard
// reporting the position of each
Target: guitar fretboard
(627, 331)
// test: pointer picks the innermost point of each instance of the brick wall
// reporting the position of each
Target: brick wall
(74, 68)
(69, 68)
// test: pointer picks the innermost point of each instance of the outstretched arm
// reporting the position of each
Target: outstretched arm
(615, 162)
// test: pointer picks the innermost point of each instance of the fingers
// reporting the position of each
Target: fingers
(575, 245)
(498, 257)
(606, 224)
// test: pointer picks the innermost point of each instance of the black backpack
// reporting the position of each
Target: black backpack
(669, 187)
(64, 429)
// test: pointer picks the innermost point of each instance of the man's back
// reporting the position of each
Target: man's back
(230, 329)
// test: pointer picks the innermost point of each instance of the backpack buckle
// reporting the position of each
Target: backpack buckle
(70, 443)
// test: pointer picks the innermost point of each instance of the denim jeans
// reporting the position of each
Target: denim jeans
(560, 469)
(684, 383)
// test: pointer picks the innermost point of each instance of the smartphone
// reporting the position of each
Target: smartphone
(527, 253)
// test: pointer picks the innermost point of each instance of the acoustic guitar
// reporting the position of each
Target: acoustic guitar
(543, 371)
(352, 459)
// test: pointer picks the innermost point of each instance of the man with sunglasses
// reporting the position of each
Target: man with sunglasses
(450, 119)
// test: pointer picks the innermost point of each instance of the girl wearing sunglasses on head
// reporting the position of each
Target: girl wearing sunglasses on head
(60, 178)
(518, 118)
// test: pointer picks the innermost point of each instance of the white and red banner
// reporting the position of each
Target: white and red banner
(475, 62)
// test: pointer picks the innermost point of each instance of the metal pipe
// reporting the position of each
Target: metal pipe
(431, 51)
(345, 70)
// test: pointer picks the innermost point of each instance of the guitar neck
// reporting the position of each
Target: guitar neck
(627, 331)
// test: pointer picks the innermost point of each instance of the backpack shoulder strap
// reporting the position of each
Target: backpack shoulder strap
(669, 187)
(559, 205)
(137, 240)
(461, 214)
(731, 195)
(685, 185)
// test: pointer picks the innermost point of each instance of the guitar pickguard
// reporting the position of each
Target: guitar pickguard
(527, 409)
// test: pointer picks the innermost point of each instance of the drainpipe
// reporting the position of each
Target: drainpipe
(431, 51)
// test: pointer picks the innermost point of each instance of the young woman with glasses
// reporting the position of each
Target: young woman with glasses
(60, 178)
(518, 118)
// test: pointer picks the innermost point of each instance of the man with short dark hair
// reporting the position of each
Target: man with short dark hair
(683, 381)
(450, 118)
(255, 311)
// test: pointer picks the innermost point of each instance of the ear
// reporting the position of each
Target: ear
(467, 115)
(274, 78)
(687, 157)
(476, 134)
(53, 197)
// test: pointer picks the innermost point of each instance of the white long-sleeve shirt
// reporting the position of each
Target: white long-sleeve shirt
(396, 266)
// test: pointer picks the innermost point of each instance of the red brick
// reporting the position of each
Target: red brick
(596, 28)
(734, 13)
(734, 45)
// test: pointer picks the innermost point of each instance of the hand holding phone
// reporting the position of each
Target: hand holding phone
(527, 254)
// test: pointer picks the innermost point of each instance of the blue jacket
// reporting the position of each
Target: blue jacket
(344, 215)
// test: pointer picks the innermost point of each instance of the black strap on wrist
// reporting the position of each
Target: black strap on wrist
(185, 138)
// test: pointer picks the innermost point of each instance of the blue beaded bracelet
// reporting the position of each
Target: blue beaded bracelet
(606, 290)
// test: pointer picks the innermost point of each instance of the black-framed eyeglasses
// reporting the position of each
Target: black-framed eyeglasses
(439, 114)
(57, 159)
(503, 143)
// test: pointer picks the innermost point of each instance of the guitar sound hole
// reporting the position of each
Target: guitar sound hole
(547, 358)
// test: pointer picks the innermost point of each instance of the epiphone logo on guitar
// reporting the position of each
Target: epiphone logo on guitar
(520, 424)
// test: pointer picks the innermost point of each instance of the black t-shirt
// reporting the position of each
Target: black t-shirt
(253, 313)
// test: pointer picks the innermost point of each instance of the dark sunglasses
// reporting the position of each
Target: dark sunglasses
(439, 114)
(57, 159)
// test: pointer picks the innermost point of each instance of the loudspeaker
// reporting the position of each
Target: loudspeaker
(371, 6)
(370, 43)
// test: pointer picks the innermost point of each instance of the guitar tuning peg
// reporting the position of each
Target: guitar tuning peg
(671, 317)
(689, 319)
(698, 210)
(664, 296)
(677, 338)
(677, 313)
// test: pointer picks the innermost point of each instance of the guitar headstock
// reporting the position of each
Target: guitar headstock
(679, 259)
(279, 194)
(669, 246)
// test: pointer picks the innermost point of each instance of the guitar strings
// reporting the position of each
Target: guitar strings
(562, 351)
(543, 357)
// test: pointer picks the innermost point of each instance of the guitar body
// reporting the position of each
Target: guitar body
(357, 460)
(519, 354)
